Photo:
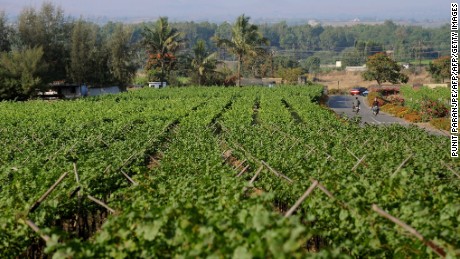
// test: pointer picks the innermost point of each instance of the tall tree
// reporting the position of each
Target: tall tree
(311, 64)
(383, 69)
(5, 33)
(121, 67)
(203, 63)
(162, 42)
(83, 42)
(246, 41)
(440, 68)
(351, 57)
(49, 29)
(20, 73)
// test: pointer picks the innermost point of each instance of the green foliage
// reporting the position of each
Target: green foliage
(246, 41)
(20, 73)
(83, 52)
(162, 41)
(414, 96)
(351, 57)
(141, 79)
(192, 205)
(291, 75)
(113, 53)
(311, 64)
(5, 33)
(196, 31)
(430, 103)
(383, 69)
(440, 68)
(204, 64)
(49, 29)
(120, 64)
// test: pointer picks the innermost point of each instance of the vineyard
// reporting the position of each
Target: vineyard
(430, 102)
(220, 172)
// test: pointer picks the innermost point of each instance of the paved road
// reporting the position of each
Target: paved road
(342, 104)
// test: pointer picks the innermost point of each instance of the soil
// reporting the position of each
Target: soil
(347, 80)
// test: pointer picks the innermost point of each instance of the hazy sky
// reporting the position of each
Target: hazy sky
(220, 10)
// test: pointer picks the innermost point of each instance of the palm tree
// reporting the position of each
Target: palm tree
(162, 42)
(203, 63)
(246, 40)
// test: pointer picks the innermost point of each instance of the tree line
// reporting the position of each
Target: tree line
(44, 46)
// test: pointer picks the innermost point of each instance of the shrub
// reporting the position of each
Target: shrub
(433, 109)
(441, 123)
(390, 108)
(402, 112)
(395, 99)
(413, 117)
(388, 91)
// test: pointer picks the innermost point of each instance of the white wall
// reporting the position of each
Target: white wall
(104, 90)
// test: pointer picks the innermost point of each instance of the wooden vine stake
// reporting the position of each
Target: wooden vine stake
(107, 169)
(330, 195)
(301, 199)
(281, 140)
(37, 230)
(309, 152)
(277, 173)
(349, 151)
(127, 160)
(239, 164)
(401, 165)
(365, 142)
(242, 171)
(359, 162)
(129, 178)
(452, 170)
(254, 177)
(37, 203)
(322, 188)
(295, 143)
(77, 178)
(256, 174)
(101, 203)
(438, 250)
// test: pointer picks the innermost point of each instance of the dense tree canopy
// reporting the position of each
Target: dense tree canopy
(78, 51)
(440, 68)
(246, 41)
(382, 68)
(20, 73)
(82, 53)
(121, 66)
(204, 63)
(162, 41)
(49, 29)
(5, 33)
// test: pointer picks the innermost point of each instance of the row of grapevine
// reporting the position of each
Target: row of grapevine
(103, 137)
(400, 169)
(417, 99)
(193, 204)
